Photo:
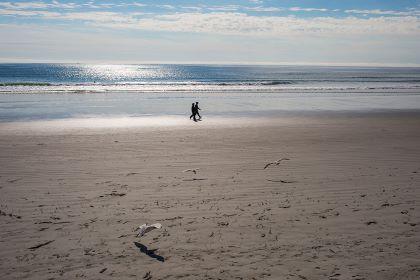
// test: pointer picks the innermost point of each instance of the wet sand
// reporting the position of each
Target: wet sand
(343, 203)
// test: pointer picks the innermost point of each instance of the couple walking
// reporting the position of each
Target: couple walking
(194, 112)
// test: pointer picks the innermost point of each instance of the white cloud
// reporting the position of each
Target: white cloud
(138, 4)
(243, 24)
(299, 9)
(94, 5)
(192, 8)
(37, 5)
(226, 8)
(233, 22)
(99, 17)
(59, 5)
(24, 5)
(31, 13)
(59, 43)
(412, 12)
(91, 5)
(170, 7)
(264, 9)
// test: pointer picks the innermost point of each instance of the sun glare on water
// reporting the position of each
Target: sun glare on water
(125, 72)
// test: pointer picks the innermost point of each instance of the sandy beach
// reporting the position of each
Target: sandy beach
(300, 198)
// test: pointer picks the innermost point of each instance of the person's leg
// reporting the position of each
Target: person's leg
(199, 116)
(194, 118)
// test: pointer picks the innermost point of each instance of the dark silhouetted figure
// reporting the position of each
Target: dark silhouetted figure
(196, 111)
(193, 112)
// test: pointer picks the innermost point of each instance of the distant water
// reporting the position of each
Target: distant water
(41, 78)
(133, 90)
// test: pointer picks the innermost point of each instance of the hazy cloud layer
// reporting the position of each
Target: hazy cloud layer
(275, 32)
(233, 22)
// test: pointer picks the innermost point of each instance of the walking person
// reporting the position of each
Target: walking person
(196, 111)
(193, 112)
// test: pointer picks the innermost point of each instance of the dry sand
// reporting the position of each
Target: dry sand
(345, 205)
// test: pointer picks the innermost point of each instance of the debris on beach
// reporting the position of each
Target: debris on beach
(113, 193)
(116, 194)
(2, 213)
(13, 180)
(281, 181)
(40, 245)
(277, 162)
(147, 276)
(223, 224)
(103, 270)
(145, 228)
(284, 206)
(195, 179)
(192, 170)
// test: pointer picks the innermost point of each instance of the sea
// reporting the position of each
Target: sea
(61, 91)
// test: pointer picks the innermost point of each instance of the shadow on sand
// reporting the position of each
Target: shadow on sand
(150, 253)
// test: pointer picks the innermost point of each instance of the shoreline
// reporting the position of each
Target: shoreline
(231, 104)
(162, 122)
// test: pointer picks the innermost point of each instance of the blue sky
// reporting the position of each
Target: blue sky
(248, 31)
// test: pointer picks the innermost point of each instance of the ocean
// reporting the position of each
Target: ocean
(54, 91)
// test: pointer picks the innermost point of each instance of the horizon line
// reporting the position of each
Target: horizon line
(336, 64)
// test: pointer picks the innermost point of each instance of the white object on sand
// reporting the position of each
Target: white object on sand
(145, 228)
